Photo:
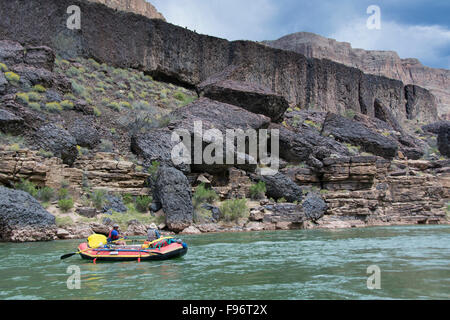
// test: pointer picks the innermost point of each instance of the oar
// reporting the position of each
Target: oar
(72, 254)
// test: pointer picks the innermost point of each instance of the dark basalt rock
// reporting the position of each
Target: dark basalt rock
(281, 186)
(57, 140)
(305, 144)
(156, 145)
(19, 210)
(314, 206)
(443, 140)
(173, 191)
(85, 133)
(10, 123)
(251, 97)
(11, 52)
(115, 204)
(435, 127)
(3, 83)
(40, 57)
(352, 132)
(222, 117)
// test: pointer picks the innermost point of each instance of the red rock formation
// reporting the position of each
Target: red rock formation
(382, 63)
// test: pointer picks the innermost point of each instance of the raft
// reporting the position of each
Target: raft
(146, 252)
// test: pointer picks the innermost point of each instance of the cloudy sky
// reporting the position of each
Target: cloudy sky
(414, 28)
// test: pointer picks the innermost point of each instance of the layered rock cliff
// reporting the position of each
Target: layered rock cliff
(136, 6)
(382, 63)
(176, 54)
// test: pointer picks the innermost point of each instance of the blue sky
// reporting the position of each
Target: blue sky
(414, 28)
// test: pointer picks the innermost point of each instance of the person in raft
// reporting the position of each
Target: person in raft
(114, 236)
(153, 234)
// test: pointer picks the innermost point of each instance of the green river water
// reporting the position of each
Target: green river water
(305, 264)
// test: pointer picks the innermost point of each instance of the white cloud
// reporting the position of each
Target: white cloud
(410, 41)
(231, 19)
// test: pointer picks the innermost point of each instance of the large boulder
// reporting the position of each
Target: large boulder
(57, 140)
(173, 191)
(85, 133)
(156, 145)
(306, 144)
(349, 131)
(10, 123)
(251, 97)
(22, 218)
(443, 140)
(314, 206)
(114, 204)
(222, 118)
(435, 127)
(40, 57)
(281, 186)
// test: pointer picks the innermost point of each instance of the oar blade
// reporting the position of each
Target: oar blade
(68, 255)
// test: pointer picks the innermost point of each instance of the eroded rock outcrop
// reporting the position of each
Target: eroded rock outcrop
(136, 6)
(22, 218)
(382, 63)
(173, 191)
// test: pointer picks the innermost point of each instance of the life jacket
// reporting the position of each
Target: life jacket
(111, 238)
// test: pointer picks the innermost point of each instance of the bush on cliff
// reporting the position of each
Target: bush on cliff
(65, 204)
(142, 203)
(258, 191)
(27, 186)
(202, 195)
(234, 209)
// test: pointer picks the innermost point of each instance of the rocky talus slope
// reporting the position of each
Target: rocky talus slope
(381, 63)
(93, 141)
(136, 6)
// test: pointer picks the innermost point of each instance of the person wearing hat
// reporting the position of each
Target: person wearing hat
(114, 236)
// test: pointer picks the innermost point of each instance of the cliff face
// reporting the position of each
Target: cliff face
(382, 63)
(172, 53)
(136, 6)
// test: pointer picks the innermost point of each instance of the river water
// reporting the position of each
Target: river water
(414, 263)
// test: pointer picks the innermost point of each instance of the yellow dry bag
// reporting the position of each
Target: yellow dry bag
(97, 240)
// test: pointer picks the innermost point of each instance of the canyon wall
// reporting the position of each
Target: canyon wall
(181, 56)
(382, 63)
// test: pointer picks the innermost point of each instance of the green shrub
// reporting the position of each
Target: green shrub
(23, 98)
(79, 89)
(153, 169)
(34, 96)
(233, 210)
(12, 77)
(73, 72)
(3, 67)
(53, 107)
(114, 106)
(65, 204)
(98, 198)
(127, 198)
(63, 193)
(45, 194)
(142, 203)
(97, 111)
(258, 191)
(39, 88)
(27, 186)
(106, 146)
(281, 200)
(66, 104)
(202, 195)
(124, 104)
